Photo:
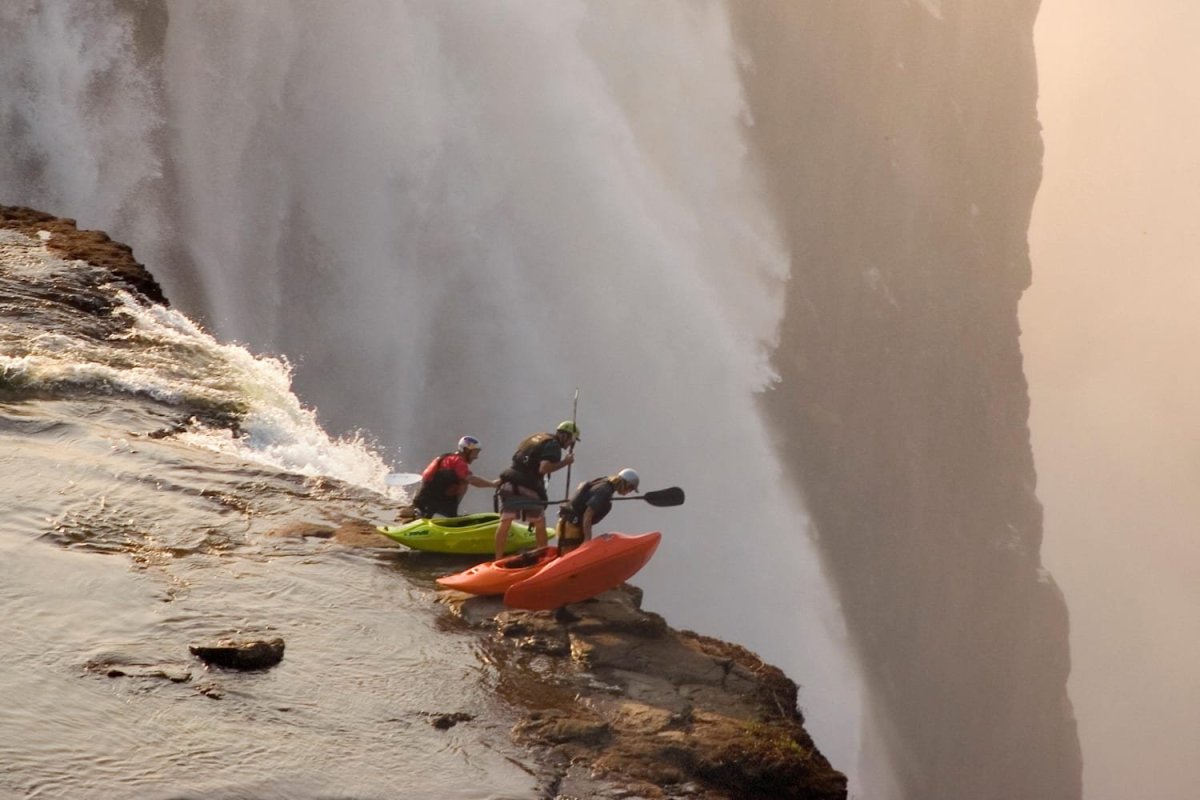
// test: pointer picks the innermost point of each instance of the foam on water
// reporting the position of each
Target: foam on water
(162, 354)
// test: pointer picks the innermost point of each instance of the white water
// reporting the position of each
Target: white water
(179, 363)
(449, 216)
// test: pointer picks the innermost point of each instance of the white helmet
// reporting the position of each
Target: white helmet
(630, 477)
(468, 443)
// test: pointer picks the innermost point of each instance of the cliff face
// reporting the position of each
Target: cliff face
(904, 154)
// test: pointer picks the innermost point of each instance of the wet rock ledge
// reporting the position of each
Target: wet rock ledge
(616, 698)
(94, 247)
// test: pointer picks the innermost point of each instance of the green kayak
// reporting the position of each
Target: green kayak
(472, 534)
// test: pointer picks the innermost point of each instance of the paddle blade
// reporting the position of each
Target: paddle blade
(402, 478)
(664, 497)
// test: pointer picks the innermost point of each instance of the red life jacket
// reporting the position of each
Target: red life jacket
(444, 481)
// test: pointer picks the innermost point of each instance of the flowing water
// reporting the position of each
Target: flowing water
(448, 217)
(121, 546)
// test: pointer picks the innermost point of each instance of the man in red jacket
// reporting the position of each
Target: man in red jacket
(445, 480)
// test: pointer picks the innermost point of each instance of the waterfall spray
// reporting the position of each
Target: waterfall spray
(446, 215)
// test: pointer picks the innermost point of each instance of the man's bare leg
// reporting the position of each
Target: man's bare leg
(506, 520)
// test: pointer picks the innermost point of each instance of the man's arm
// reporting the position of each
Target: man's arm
(546, 467)
(482, 483)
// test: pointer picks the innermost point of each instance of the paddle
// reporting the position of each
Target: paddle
(571, 449)
(402, 478)
(660, 497)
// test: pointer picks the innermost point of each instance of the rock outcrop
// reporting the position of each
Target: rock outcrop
(94, 247)
(618, 698)
(618, 702)
(904, 153)
(240, 653)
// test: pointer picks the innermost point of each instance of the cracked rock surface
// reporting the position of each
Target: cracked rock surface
(620, 702)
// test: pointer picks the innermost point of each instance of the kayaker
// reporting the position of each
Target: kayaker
(445, 480)
(591, 503)
(522, 490)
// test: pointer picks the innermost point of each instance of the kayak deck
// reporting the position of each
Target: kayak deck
(596, 566)
(494, 577)
(473, 534)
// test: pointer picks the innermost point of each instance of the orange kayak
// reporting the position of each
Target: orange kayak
(603, 563)
(496, 576)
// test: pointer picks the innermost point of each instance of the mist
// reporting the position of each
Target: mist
(448, 217)
(389, 186)
(1109, 333)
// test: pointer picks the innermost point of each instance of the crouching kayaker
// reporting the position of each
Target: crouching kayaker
(522, 490)
(591, 503)
(445, 480)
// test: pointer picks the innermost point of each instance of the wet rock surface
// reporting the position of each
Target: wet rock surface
(243, 654)
(94, 247)
(622, 705)
(116, 665)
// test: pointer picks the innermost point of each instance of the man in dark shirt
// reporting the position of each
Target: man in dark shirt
(591, 503)
(522, 487)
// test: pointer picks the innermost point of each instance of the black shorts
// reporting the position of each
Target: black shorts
(428, 503)
(522, 500)
(447, 507)
(522, 493)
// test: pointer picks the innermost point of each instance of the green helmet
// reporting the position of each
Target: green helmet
(569, 427)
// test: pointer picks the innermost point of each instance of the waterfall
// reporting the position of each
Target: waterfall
(448, 217)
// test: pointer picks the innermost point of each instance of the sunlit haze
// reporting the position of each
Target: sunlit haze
(1110, 330)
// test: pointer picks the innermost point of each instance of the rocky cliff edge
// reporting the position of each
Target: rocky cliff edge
(610, 700)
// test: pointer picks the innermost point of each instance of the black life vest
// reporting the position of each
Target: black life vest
(573, 510)
(526, 459)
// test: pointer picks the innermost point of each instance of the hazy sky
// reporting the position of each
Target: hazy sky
(1111, 328)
